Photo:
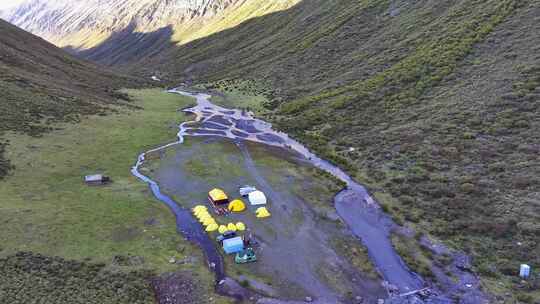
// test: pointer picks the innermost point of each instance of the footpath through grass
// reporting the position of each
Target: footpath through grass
(46, 208)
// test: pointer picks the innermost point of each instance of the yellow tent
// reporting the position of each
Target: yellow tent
(199, 208)
(212, 227)
(262, 212)
(204, 218)
(201, 217)
(217, 195)
(209, 221)
(231, 227)
(240, 226)
(237, 206)
(201, 212)
(197, 212)
(222, 229)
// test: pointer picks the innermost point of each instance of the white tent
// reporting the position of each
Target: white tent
(257, 198)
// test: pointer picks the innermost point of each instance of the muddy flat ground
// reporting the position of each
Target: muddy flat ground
(304, 248)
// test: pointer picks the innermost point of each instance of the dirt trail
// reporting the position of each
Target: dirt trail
(285, 255)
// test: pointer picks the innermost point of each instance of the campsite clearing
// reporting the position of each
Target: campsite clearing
(296, 242)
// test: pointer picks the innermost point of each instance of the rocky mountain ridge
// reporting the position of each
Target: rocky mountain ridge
(87, 25)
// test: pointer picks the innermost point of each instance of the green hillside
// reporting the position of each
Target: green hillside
(65, 242)
(41, 85)
(433, 104)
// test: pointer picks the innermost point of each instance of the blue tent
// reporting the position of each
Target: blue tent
(233, 245)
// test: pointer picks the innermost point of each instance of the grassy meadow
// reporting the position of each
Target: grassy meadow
(46, 208)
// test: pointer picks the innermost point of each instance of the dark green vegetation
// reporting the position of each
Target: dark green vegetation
(33, 278)
(351, 248)
(5, 165)
(438, 99)
(40, 84)
(413, 255)
(246, 95)
(27, 277)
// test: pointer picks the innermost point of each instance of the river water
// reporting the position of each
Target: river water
(354, 204)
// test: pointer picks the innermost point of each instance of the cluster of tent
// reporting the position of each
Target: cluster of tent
(202, 214)
(239, 206)
(204, 217)
(254, 196)
(232, 227)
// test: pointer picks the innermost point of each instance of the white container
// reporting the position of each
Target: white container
(524, 271)
(257, 198)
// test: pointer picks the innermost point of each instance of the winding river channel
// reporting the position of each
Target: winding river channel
(354, 204)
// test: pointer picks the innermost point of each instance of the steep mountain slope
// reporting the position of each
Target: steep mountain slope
(435, 104)
(121, 31)
(85, 23)
(41, 84)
